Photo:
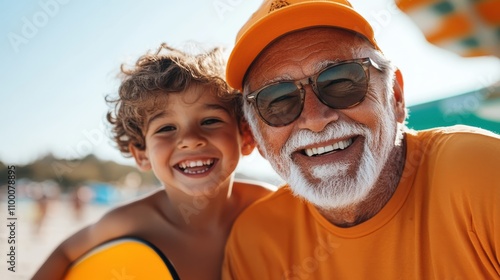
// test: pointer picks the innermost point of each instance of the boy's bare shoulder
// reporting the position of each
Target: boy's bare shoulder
(124, 220)
(133, 211)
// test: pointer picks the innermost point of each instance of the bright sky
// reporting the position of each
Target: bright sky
(59, 58)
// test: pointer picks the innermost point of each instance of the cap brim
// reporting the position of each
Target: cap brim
(285, 20)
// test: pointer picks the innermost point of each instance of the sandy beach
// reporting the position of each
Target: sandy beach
(32, 247)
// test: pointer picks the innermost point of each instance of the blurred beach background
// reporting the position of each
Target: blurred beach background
(37, 237)
(60, 58)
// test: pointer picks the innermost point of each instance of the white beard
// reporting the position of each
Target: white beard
(331, 185)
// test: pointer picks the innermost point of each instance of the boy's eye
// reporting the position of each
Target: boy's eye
(166, 128)
(210, 121)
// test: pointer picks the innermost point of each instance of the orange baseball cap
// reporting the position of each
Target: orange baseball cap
(275, 18)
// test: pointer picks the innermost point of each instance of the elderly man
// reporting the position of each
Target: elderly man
(366, 198)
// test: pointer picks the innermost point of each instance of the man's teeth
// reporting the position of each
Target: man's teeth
(321, 150)
(195, 163)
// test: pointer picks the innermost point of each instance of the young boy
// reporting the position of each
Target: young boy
(176, 116)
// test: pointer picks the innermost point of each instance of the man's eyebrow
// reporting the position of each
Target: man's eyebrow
(284, 77)
(323, 64)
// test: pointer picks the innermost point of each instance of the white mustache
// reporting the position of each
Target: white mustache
(337, 130)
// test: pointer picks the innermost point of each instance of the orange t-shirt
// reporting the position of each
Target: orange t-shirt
(443, 222)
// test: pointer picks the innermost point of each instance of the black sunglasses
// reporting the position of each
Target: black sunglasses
(340, 85)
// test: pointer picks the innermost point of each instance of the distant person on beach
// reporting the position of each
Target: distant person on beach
(42, 205)
(175, 115)
(43, 195)
(80, 197)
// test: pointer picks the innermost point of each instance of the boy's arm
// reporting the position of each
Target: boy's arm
(61, 258)
(108, 227)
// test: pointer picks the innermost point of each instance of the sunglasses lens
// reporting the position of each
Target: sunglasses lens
(342, 86)
(279, 104)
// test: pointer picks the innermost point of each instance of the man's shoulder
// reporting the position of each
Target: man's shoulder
(462, 160)
(458, 142)
(455, 132)
(271, 207)
(248, 191)
(282, 196)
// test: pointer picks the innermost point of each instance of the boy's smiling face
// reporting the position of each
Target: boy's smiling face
(194, 143)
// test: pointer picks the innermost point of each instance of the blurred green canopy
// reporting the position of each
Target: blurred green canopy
(478, 108)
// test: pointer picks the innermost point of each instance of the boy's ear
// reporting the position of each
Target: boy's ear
(247, 140)
(399, 97)
(140, 157)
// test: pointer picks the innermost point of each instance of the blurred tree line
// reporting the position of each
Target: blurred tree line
(72, 173)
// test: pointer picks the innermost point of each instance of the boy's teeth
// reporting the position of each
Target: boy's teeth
(195, 163)
(321, 150)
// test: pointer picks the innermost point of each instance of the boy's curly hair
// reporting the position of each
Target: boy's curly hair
(145, 87)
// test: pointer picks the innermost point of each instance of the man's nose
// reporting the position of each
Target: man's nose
(315, 116)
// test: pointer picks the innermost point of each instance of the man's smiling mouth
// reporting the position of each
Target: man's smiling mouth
(329, 148)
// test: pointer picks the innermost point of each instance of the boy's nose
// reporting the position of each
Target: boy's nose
(191, 140)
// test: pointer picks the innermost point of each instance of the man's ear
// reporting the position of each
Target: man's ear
(399, 98)
(140, 157)
(247, 140)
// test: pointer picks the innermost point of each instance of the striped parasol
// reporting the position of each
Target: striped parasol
(466, 27)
